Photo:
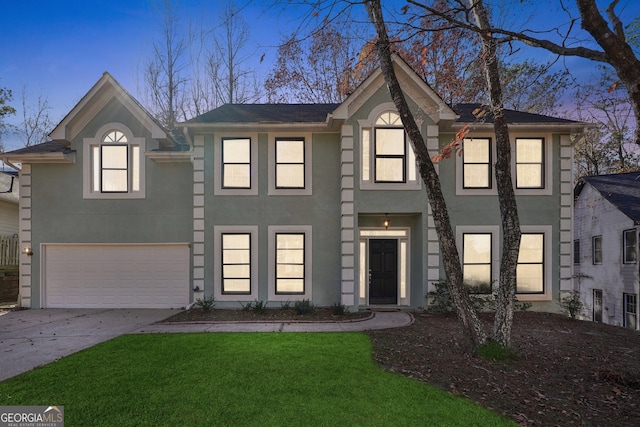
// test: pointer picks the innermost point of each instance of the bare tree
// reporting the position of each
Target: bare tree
(36, 121)
(164, 72)
(450, 257)
(226, 65)
(6, 96)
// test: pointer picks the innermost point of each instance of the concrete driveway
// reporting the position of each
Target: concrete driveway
(31, 338)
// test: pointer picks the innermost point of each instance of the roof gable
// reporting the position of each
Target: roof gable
(105, 89)
(412, 85)
(621, 190)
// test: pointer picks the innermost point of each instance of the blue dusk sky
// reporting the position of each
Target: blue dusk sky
(60, 48)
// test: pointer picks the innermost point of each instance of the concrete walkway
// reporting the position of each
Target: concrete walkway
(378, 320)
(31, 338)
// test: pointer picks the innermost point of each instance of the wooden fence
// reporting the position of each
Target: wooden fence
(9, 250)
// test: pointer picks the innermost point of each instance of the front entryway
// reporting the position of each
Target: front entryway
(383, 271)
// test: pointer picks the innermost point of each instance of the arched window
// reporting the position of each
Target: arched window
(113, 163)
(386, 155)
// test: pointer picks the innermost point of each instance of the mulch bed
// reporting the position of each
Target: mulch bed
(568, 372)
(321, 314)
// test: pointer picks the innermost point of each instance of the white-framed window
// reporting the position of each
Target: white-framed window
(290, 263)
(235, 263)
(290, 161)
(530, 271)
(387, 160)
(477, 165)
(630, 246)
(114, 164)
(530, 170)
(477, 262)
(630, 307)
(236, 159)
(596, 250)
(479, 248)
(531, 165)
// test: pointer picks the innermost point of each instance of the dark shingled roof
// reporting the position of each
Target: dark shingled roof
(622, 190)
(465, 111)
(267, 113)
(43, 148)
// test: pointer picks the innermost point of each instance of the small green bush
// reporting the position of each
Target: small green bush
(482, 299)
(572, 305)
(285, 305)
(492, 350)
(258, 307)
(206, 303)
(338, 309)
(304, 307)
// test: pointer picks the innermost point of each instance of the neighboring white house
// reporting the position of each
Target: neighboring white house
(605, 254)
(9, 197)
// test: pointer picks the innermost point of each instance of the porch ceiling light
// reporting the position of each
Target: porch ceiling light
(386, 222)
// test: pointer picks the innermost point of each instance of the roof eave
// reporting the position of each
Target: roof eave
(58, 157)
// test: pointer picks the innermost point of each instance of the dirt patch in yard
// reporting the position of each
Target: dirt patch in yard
(568, 372)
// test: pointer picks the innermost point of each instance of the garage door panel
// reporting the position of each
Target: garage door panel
(111, 276)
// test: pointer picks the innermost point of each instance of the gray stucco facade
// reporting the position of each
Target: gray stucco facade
(357, 229)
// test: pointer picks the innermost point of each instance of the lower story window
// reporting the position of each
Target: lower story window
(530, 271)
(236, 263)
(630, 302)
(476, 262)
(290, 277)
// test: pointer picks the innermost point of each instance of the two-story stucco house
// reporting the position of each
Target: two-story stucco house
(607, 218)
(281, 203)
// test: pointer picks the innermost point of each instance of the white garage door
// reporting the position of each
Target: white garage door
(116, 276)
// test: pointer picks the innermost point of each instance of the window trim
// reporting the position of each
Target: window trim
(625, 304)
(88, 144)
(593, 250)
(545, 266)
(542, 162)
(219, 189)
(218, 231)
(368, 124)
(495, 247)
(548, 166)
(306, 230)
(489, 164)
(625, 247)
(308, 164)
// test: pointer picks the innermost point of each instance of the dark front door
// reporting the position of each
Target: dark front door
(383, 271)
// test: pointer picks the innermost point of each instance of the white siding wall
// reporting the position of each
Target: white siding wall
(8, 218)
(595, 216)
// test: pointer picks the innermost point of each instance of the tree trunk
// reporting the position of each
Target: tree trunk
(506, 197)
(450, 257)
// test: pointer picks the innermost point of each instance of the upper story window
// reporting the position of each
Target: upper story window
(289, 163)
(530, 163)
(476, 163)
(236, 163)
(236, 157)
(630, 246)
(596, 249)
(387, 159)
(113, 165)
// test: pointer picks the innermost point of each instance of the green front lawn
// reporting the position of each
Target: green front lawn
(237, 379)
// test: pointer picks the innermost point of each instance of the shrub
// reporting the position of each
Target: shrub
(258, 307)
(440, 301)
(206, 303)
(338, 309)
(285, 305)
(572, 305)
(304, 307)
